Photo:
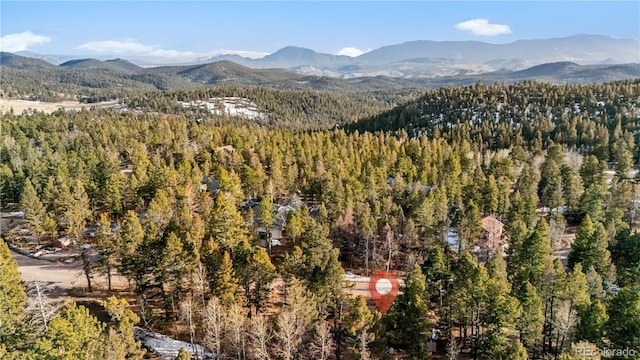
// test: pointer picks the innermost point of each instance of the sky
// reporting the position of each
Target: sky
(254, 29)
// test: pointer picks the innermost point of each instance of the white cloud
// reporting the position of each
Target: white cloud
(21, 41)
(131, 47)
(483, 27)
(351, 51)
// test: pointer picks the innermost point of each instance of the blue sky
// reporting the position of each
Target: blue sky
(187, 29)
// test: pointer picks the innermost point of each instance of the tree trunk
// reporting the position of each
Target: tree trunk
(87, 269)
(109, 275)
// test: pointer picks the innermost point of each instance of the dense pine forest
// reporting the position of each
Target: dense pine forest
(182, 203)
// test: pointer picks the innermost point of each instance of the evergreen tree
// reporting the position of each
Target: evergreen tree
(408, 319)
(502, 310)
(34, 211)
(132, 236)
(592, 324)
(183, 355)
(534, 258)
(121, 336)
(112, 196)
(256, 276)
(73, 334)
(12, 302)
(225, 284)
(623, 328)
(77, 211)
(470, 224)
(532, 317)
(160, 211)
(225, 225)
(582, 243)
(107, 246)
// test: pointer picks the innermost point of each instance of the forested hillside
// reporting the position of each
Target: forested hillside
(388, 192)
(589, 118)
(292, 109)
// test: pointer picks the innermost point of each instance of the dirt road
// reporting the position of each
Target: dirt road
(58, 277)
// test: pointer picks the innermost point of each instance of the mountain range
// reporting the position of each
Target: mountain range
(419, 59)
(577, 59)
(36, 78)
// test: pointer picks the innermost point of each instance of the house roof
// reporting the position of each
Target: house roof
(490, 223)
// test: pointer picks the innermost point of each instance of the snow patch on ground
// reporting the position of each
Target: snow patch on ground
(168, 348)
(356, 278)
(232, 106)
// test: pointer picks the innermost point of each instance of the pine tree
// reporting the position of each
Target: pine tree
(572, 187)
(12, 301)
(550, 186)
(623, 328)
(534, 257)
(160, 211)
(132, 236)
(34, 211)
(183, 355)
(107, 246)
(112, 196)
(582, 242)
(598, 255)
(408, 319)
(225, 225)
(502, 309)
(225, 283)
(175, 264)
(357, 321)
(256, 276)
(592, 324)
(515, 352)
(77, 211)
(470, 224)
(74, 334)
(531, 318)
(122, 335)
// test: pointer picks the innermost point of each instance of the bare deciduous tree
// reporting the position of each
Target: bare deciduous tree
(363, 346)
(321, 347)
(289, 333)
(42, 310)
(557, 226)
(235, 327)
(214, 326)
(453, 349)
(259, 338)
(564, 323)
(187, 309)
(200, 283)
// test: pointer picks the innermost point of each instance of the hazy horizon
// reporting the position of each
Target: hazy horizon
(255, 29)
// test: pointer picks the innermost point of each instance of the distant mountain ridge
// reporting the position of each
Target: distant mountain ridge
(436, 58)
(114, 64)
(22, 75)
(425, 58)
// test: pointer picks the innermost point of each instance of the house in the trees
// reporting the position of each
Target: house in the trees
(492, 239)
(62, 242)
(210, 184)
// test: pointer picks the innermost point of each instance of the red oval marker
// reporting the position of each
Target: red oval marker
(384, 289)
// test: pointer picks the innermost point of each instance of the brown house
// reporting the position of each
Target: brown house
(492, 240)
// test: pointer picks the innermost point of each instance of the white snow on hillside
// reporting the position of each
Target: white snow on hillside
(232, 106)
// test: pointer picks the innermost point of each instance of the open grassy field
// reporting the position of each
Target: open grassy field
(19, 106)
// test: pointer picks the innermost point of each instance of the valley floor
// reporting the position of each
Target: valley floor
(19, 106)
